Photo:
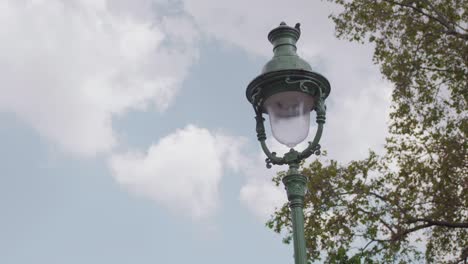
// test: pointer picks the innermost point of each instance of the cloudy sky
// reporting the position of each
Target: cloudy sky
(125, 133)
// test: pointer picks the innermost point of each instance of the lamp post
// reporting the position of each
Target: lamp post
(288, 90)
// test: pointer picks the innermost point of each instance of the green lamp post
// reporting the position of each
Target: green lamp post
(288, 90)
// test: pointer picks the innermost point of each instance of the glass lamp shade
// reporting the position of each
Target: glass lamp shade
(289, 116)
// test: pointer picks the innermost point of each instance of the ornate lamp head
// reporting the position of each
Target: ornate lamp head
(288, 91)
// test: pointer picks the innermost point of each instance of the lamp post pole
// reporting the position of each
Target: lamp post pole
(296, 185)
(288, 90)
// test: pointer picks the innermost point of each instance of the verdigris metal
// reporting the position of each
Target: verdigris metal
(284, 40)
(295, 184)
(286, 71)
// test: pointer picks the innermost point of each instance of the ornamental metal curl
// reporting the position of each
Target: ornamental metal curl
(303, 86)
(255, 93)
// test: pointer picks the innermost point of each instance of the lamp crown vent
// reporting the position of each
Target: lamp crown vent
(284, 39)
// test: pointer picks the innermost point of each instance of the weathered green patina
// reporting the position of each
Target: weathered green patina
(286, 71)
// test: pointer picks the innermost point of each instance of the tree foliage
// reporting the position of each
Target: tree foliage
(372, 210)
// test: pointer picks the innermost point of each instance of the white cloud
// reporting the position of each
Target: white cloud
(182, 171)
(357, 123)
(69, 66)
(259, 194)
(246, 23)
(262, 197)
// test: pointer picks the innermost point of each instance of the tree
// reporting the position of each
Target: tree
(373, 209)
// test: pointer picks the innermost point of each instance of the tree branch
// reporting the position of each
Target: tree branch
(439, 223)
(444, 18)
(433, 69)
(419, 10)
(387, 225)
(379, 196)
(400, 235)
(450, 29)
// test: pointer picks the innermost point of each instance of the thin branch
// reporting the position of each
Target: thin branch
(379, 196)
(364, 248)
(433, 69)
(439, 223)
(387, 225)
(419, 11)
(450, 29)
(400, 235)
(443, 17)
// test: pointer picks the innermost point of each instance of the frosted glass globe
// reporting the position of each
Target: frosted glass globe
(289, 116)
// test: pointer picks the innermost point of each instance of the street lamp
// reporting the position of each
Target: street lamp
(288, 90)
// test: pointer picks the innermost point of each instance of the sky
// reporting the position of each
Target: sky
(126, 136)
